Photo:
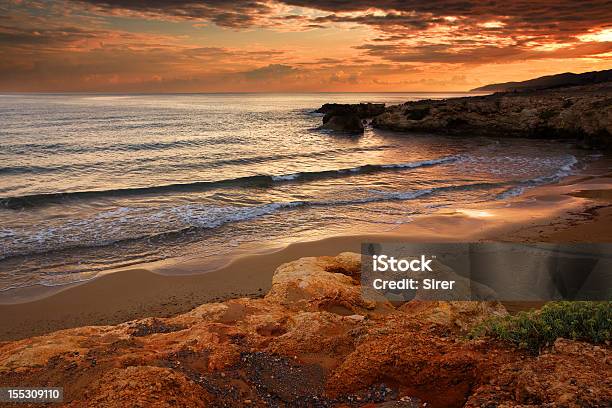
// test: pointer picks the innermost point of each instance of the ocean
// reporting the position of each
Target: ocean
(91, 183)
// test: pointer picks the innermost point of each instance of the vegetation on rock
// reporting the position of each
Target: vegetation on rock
(586, 321)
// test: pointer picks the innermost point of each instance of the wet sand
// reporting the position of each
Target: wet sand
(577, 210)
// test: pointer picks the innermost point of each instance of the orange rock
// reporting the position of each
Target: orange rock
(311, 341)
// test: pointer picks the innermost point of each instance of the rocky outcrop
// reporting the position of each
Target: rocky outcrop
(363, 110)
(583, 113)
(312, 341)
(349, 123)
(559, 377)
(348, 117)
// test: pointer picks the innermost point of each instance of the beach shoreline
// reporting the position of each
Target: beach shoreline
(582, 209)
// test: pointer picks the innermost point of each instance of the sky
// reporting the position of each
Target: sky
(295, 45)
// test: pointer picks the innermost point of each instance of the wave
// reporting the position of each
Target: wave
(130, 224)
(29, 148)
(199, 186)
(37, 169)
(368, 168)
(520, 187)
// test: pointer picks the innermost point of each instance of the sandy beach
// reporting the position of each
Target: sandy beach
(578, 209)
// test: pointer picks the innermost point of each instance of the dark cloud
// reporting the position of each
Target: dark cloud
(447, 54)
(14, 36)
(530, 11)
(565, 16)
(559, 20)
(233, 14)
(270, 71)
(381, 21)
(220, 52)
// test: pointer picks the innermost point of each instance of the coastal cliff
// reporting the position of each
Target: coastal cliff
(313, 341)
(581, 113)
(550, 81)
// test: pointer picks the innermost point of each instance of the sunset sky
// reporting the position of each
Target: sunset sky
(295, 45)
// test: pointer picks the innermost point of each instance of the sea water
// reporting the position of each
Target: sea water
(93, 182)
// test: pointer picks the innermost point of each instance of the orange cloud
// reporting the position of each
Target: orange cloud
(294, 45)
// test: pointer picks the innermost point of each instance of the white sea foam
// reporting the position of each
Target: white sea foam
(285, 177)
(122, 224)
(563, 171)
(412, 165)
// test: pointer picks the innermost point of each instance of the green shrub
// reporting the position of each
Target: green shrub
(587, 321)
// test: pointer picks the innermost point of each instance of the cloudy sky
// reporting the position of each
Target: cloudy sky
(295, 45)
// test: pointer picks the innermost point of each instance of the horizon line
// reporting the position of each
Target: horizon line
(227, 93)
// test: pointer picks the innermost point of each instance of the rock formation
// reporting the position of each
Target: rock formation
(312, 341)
(348, 117)
(363, 110)
(583, 113)
(349, 123)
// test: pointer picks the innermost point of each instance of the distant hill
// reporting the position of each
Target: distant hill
(550, 81)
